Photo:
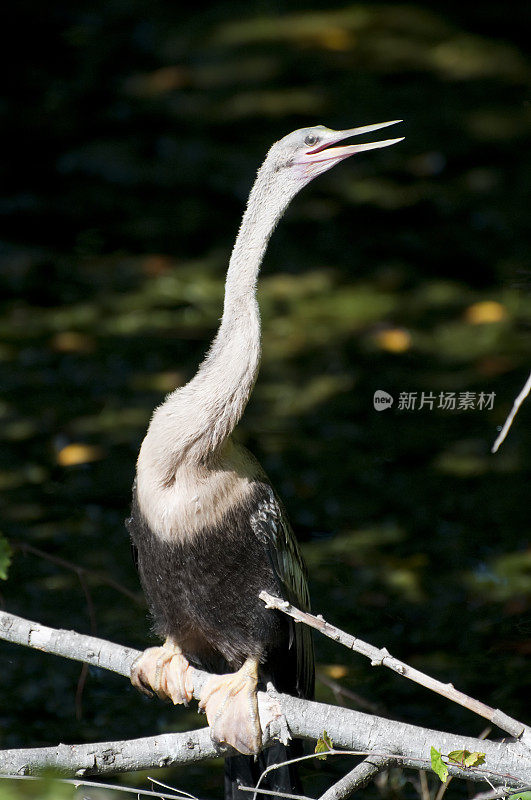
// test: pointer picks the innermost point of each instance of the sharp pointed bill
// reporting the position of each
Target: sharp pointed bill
(325, 155)
(338, 153)
(369, 128)
(333, 137)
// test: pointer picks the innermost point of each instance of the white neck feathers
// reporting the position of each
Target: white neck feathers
(194, 421)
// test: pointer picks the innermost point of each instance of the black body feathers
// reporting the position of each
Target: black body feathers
(203, 591)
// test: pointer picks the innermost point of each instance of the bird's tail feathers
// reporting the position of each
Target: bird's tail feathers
(246, 771)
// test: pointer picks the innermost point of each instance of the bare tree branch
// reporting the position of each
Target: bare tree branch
(104, 758)
(177, 794)
(69, 644)
(275, 794)
(357, 778)
(503, 791)
(363, 734)
(514, 411)
(77, 647)
(382, 657)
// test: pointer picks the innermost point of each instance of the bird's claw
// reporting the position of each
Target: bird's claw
(231, 705)
(165, 671)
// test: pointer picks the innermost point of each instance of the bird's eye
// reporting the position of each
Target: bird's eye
(310, 140)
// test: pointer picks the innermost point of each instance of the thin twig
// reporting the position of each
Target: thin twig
(514, 411)
(270, 791)
(473, 773)
(424, 787)
(357, 778)
(441, 791)
(93, 629)
(382, 657)
(340, 691)
(94, 785)
(24, 547)
(290, 761)
(172, 788)
(502, 791)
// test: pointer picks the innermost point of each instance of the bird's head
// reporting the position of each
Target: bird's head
(307, 152)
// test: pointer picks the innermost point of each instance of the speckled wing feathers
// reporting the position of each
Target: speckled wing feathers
(271, 526)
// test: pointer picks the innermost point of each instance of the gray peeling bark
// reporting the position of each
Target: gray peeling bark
(357, 778)
(507, 763)
(106, 758)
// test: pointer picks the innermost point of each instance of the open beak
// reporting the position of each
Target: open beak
(326, 153)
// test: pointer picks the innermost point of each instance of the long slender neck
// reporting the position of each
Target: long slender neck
(195, 421)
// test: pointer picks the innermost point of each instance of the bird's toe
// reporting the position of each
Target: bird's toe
(177, 682)
(163, 671)
(231, 706)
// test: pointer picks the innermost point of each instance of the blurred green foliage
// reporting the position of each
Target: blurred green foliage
(46, 789)
(134, 134)
(5, 557)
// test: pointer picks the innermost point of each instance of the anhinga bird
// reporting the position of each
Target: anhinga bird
(208, 528)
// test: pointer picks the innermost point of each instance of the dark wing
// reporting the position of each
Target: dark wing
(130, 527)
(271, 525)
(129, 524)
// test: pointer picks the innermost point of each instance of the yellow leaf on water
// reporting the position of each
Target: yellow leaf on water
(394, 340)
(76, 453)
(335, 671)
(72, 342)
(335, 38)
(485, 311)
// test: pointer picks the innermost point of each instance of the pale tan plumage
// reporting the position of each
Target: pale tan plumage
(196, 489)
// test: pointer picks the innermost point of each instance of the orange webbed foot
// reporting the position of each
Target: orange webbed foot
(231, 706)
(165, 671)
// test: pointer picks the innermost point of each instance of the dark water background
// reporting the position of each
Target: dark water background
(133, 134)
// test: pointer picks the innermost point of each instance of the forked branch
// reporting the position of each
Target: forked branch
(506, 763)
(357, 778)
(380, 656)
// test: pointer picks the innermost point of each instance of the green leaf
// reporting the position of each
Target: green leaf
(520, 796)
(466, 759)
(474, 759)
(458, 756)
(438, 765)
(5, 557)
(324, 744)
